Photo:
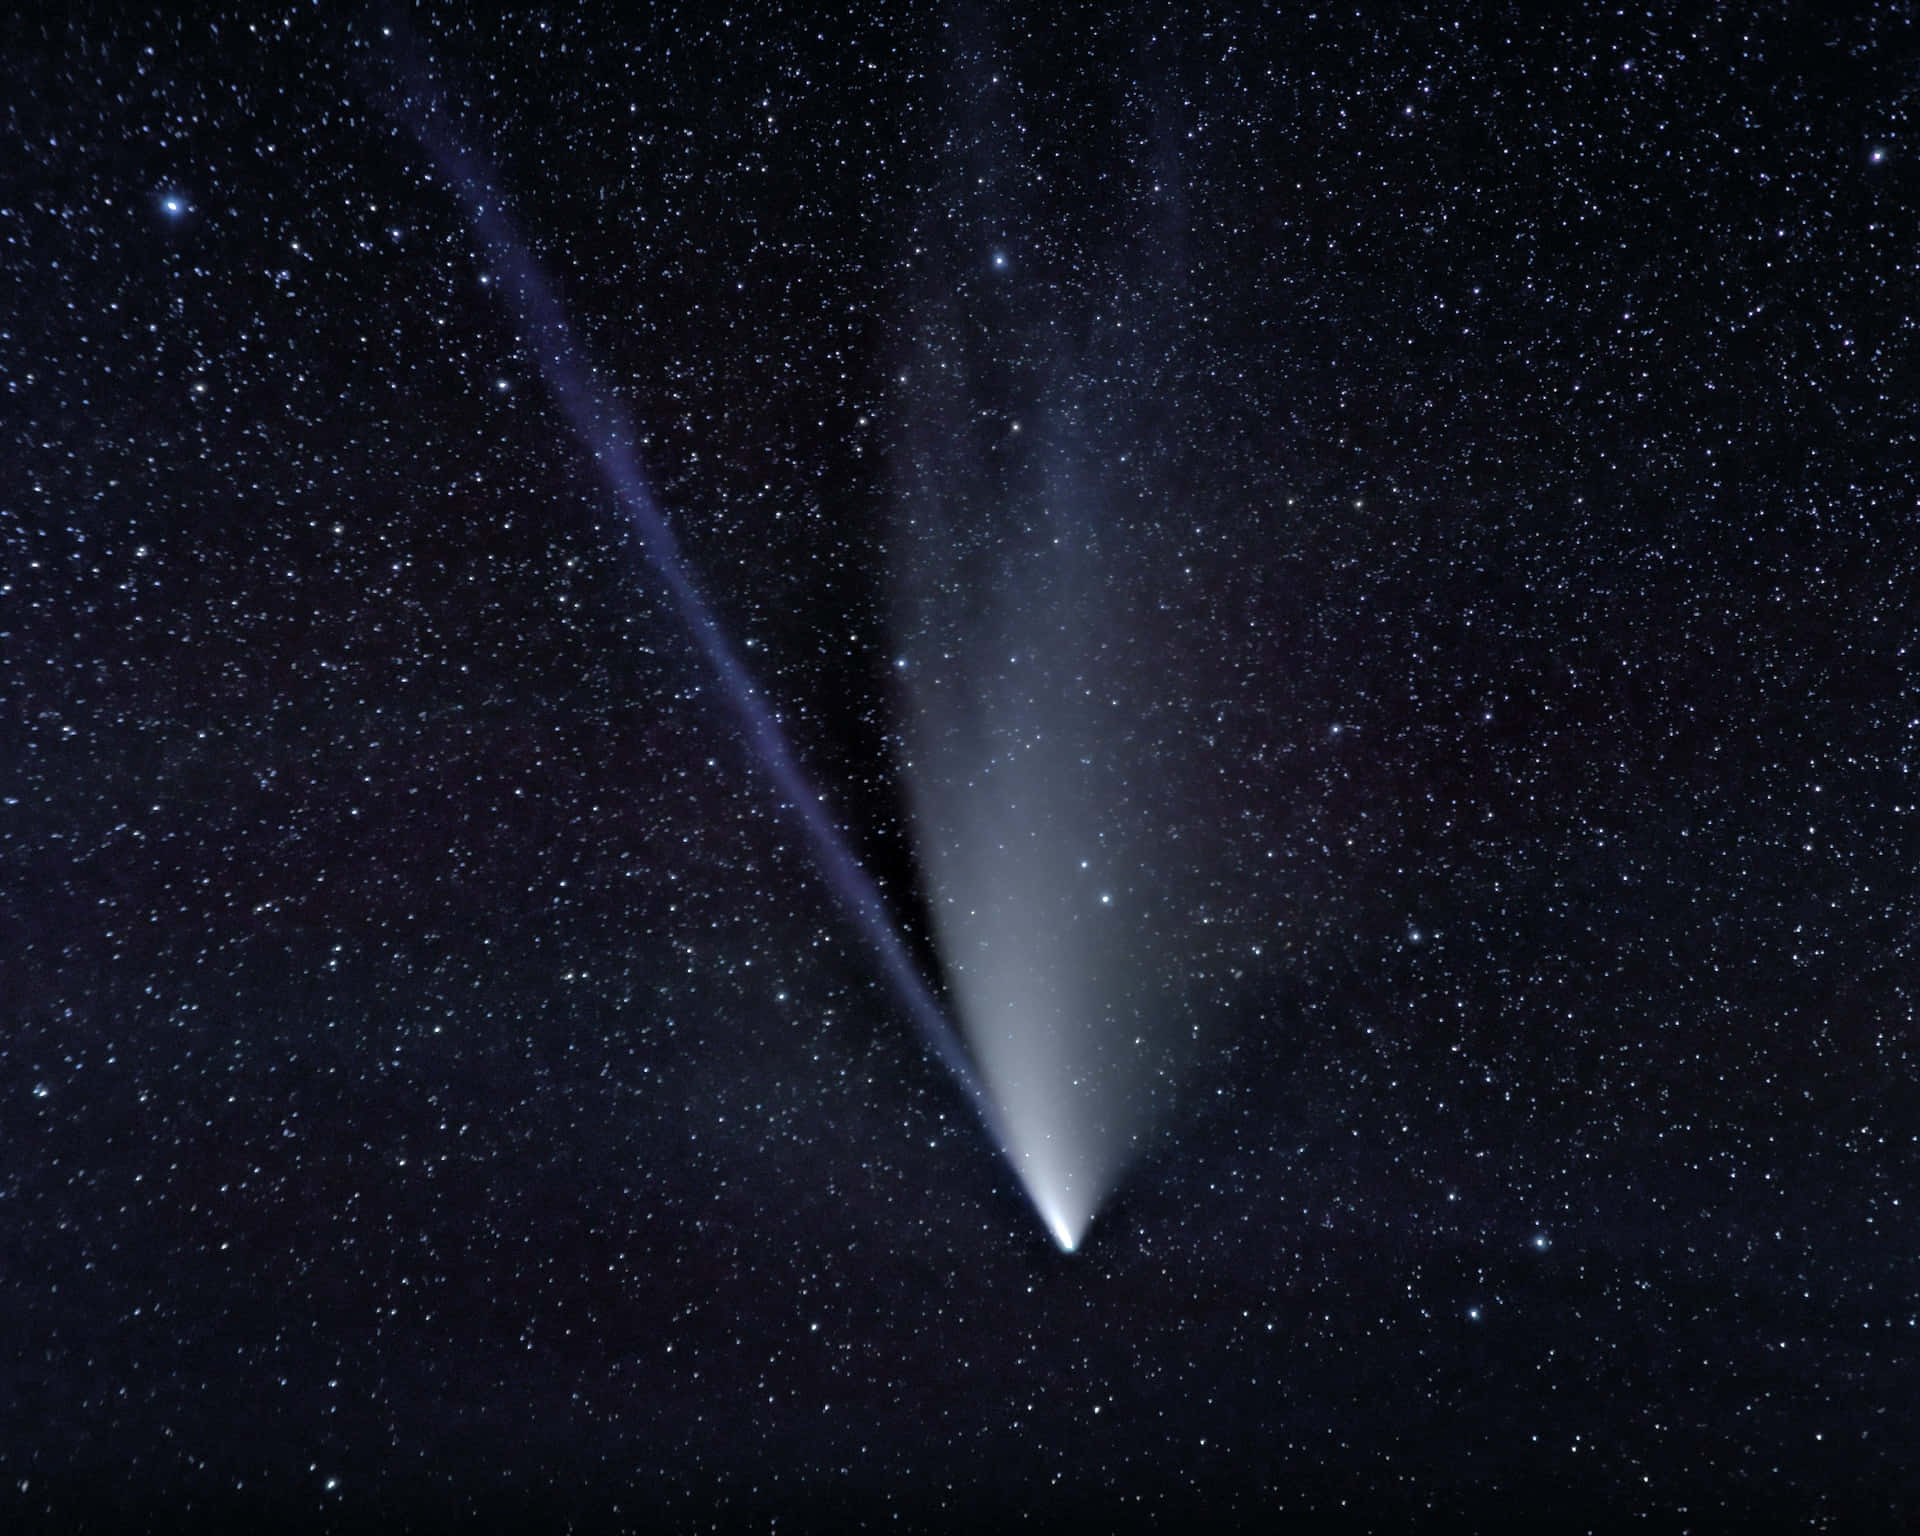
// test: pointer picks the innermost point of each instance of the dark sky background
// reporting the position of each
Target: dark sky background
(437, 1087)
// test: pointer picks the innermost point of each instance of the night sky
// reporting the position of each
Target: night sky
(439, 1085)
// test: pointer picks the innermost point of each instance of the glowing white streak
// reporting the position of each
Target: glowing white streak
(1037, 830)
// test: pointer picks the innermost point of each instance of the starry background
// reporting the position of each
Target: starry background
(437, 1087)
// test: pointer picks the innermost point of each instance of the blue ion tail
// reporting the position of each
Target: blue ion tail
(605, 432)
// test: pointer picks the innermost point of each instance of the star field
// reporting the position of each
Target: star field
(1430, 496)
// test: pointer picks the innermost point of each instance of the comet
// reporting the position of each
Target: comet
(607, 434)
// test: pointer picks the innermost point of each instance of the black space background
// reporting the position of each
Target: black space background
(436, 1088)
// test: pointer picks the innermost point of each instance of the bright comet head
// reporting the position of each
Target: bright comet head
(1065, 1237)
